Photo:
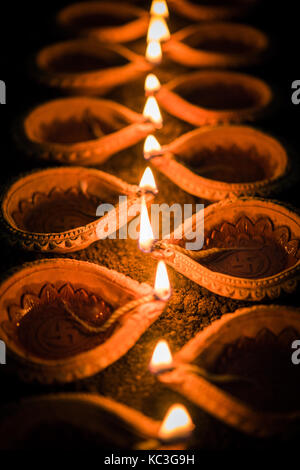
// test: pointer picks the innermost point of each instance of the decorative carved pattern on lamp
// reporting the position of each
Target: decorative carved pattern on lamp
(259, 250)
(45, 343)
(54, 210)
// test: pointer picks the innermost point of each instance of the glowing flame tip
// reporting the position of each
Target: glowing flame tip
(152, 111)
(154, 52)
(162, 286)
(147, 182)
(146, 237)
(152, 84)
(161, 360)
(158, 29)
(177, 424)
(159, 8)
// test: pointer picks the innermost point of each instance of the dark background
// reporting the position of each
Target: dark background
(28, 26)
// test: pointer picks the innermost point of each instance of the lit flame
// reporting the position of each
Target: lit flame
(162, 286)
(152, 111)
(147, 182)
(146, 237)
(152, 84)
(159, 8)
(177, 424)
(151, 146)
(154, 52)
(161, 360)
(158, 30)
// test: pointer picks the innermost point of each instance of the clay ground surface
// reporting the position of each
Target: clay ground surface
(191, 308)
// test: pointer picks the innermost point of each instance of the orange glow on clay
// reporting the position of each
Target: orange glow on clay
(146, 237)
(176, 425)
(154, 52)
(147, 182)
(161, 360)
(152, 112)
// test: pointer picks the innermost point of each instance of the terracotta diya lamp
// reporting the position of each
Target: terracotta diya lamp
(250, 251)
(214, 97)
(81, 66)
(204, 162)
(58, 318)
(239, 369)
(55, 210)
(217, 45)
(89, 421)
(80, 131)
(207, 10)
(73, 419)
(113, 22)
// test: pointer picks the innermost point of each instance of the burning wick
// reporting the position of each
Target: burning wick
(152, 112)
(152, 84)
(159, 8)
(158, 30)
(152, 147)
(162, 286)
(147, 183)
(146, 237)
(177, 424)
(162, 360)
(154, 52)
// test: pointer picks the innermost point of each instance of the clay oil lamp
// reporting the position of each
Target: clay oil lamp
(214, 97)
(64, 319)
(108, 22)
(250, 249)
(82, 67)
(204, 162)
(92, 421)
(240, 370)
(80, 130)
(217, 45)
(56, 210)
(207, 10)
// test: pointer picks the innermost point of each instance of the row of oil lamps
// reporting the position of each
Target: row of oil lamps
(177, 423)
